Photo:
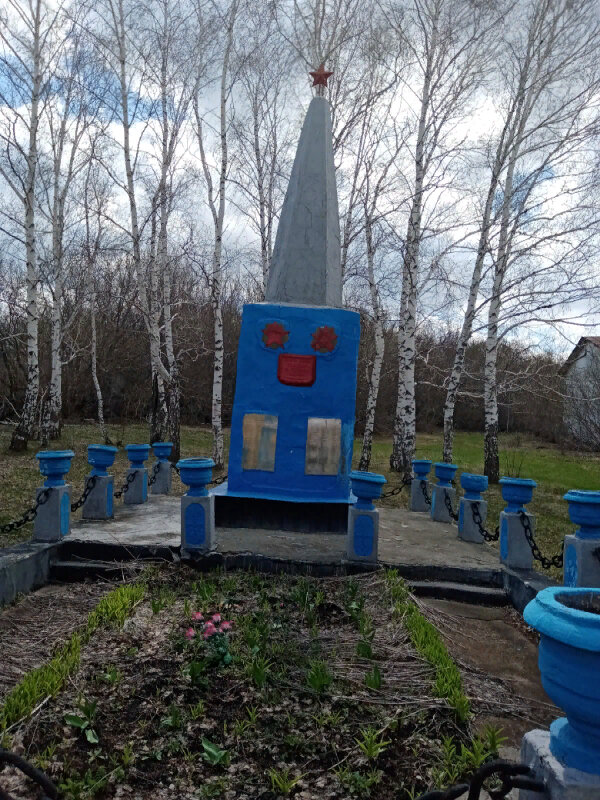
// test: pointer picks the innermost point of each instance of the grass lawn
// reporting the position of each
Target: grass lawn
(330, 688)
(554, 470)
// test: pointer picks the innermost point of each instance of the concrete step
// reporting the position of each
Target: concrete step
(75, 571)
(464, 593)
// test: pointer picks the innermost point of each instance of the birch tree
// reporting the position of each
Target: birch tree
(27, 59)
(215, 180)
(545, 216)
(262, 131)
(536, 61)
(71, 126)
(448, 54)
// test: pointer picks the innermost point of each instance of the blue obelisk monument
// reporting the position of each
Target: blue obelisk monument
(292, 427)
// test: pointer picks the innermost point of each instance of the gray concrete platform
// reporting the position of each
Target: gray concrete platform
(406, 537)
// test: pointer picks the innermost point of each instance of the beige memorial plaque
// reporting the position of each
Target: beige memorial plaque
(323, 442)
(260, 439)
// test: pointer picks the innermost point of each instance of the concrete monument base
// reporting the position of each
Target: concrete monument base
(515, 551)
(363, 535)
(162, 482)
(99, 503)
(582, 561)
(197, 524)
(439, 512)
(468, 531)
(562, 783)
(53, 520)
(137, 492)
(417, 496)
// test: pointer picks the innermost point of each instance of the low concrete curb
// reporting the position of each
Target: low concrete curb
(29, 565)
(24, 567)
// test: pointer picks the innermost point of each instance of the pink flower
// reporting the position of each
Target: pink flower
(226, 626)
(190, 633)
(209, 628)
(216, 618)
(198, 615)
(208, 632)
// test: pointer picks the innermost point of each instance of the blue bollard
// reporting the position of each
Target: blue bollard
(568, 758)
(582, 549)
(515, 551)
(421, 467)
(197, 506)
(471, 503)
(442, 489)
(137, 474)
(99, 502)
(363, 517)
(53, 517)
(161, 471)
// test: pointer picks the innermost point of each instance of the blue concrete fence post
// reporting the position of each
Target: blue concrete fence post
(363, 517)
(53, 519)
(567, 758)
(137, 492)
(161, 471)
(99, 502)
(514, 548)
(442, 489)
(421, 467)
(197, 506)
(582, 549)
(474, 485)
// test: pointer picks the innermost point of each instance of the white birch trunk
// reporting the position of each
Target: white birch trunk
(367, 443)
(94, 367)
(403, 444)
(218, 214)
(25, 428)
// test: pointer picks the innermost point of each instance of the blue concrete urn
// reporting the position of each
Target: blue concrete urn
(101, 457)
(473, 485)
(569, 661)
(367, 486)
(162, 450)
(137, 454)
(584, 510)
(517, 492)
(421, 467)
(55, 464)
(444, 473)
(196, 473)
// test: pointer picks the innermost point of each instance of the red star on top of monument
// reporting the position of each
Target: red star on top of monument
(320, 76)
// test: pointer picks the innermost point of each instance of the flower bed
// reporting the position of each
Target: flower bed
(247, 686)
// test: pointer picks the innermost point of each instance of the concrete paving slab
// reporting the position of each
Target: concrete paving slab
(406, 537)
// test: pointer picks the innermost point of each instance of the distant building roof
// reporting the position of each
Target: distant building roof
(578, 351)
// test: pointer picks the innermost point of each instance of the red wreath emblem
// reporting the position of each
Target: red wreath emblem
(274, 335)
(324, 339)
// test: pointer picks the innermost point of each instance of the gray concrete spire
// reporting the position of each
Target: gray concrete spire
(306, 265)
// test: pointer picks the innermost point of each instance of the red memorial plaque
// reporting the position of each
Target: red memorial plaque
(295, 370)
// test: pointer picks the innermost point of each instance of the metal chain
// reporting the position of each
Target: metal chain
(554, 561)
(425, 492)
(154, 476)
(448, 504)
(49, 789)
(175, 467)
(217, 481)
(29, 515)
(89, 485)
(397, 489)
(489, 537)
(125, 488)
(511, 776)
